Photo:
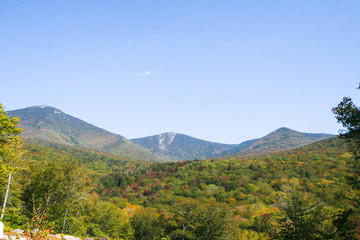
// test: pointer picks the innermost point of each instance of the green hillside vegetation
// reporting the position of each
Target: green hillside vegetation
(249, 194)
(257, 190)
(48, 124)
(94, 162)
(279, 140)
(303, 193)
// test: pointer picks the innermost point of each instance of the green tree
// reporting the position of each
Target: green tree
(11, 156)
(58, 188)
(105, 219)
(348, 114)
(147, 224)
(306, 218)
(196, 219)
(10, 141)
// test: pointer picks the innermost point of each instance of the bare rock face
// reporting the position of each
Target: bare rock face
(104, 238)
(17, 231)
(57, 236)
(71, 238)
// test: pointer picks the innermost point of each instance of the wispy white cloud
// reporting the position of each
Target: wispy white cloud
(145, 74)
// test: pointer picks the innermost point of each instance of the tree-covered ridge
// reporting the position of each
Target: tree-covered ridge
(319, 164)
(278, 140)
(258, 190)
(252, 195)
(93, 161)
(46, 123)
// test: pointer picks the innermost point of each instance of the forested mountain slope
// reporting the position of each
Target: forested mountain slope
(278, 140)
(95, 162)
(260, 191)
(44, 123)
(326, 159)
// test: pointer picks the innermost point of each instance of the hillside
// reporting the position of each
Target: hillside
(256, 189)
(48, 124)
(177, 147)
(328, 159)
(278, 140)
(97, 163)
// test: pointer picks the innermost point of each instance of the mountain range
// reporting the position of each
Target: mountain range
(49, 124)
(181, 147)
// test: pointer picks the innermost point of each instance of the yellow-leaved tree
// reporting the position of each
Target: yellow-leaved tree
(11, 155)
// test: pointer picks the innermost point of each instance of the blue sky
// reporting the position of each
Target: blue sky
(223, 71)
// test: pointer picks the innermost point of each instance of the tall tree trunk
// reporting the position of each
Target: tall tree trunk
(66, 213)
(69, 198)
(6, 196)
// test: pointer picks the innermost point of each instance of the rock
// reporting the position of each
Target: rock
(71, 238)
(57, 236)
(14, 238)
(17, 231)
(1, 229)
(104, 238)
(88, 239)
(20, 238)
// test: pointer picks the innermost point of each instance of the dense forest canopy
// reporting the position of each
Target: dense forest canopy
(308, 193)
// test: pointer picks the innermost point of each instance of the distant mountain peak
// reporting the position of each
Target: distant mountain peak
(282, 139)
(169, 133)
(284, 129)
(43, 106)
